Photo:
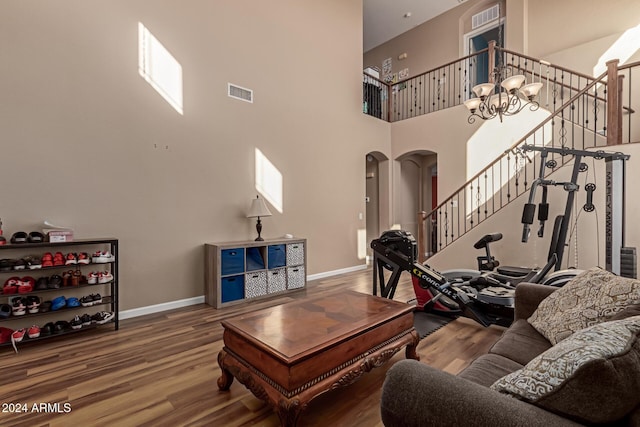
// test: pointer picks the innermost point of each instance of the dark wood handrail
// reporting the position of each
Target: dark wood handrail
(524, 138)
(442, 66)
(530, 58)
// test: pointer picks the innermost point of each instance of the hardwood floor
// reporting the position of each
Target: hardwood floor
(161, 370)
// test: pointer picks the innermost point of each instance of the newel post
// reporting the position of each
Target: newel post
(614, 104)
(492, 60)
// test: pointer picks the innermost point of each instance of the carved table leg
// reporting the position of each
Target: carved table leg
(289, 411)
(225, 380)
(410, 352)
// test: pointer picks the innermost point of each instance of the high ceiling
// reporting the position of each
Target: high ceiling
(385, 19)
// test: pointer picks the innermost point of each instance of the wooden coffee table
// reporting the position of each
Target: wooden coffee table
(288, 354)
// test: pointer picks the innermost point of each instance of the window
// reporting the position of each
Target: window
(159, 68)
(268, 180)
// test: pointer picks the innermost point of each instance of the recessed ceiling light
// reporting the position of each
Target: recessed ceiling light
(407, 15)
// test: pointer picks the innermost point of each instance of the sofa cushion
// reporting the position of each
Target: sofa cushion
(592, 297)
(489, 368)
(592, 376)
(520, 343)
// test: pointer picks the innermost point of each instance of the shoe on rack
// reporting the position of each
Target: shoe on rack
(5, 311)
(92, 278)
(45, 306)
(83, 258)
(19, 237)
(19, 264)
(33, 304)
(33, 262)
(96, 298)
(59, 259)
(33, 331)
(58, 303)
(18, 306)
(86, 301)
(6, 264)
(17, 336)
(102, 257)
(61, 326)
(105, 277)
(47, 260)
(71, 259)
(11, 285)
(76, 323)
(47, 329)
(86, 319)
(26, 285)
(35, 237)
(76, 277)
(102, 317)
(55, 282)
(73, 302)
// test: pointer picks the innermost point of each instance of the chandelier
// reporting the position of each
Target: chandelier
(510, 98)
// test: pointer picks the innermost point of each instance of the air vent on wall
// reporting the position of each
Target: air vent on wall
(240, 93)
(484, 17)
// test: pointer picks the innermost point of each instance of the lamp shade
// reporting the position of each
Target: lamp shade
(531, 90)
(258, 208)
(512, 83)
(483, 90)
(472, 104)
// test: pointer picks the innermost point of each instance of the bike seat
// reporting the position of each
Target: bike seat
(513, 271)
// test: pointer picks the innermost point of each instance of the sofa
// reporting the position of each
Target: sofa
(516, 383)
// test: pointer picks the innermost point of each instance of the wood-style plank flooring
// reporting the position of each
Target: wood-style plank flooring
(161, 370)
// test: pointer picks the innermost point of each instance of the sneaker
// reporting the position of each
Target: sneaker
(58, 259)
(19, 264)
(102, 257)
(33, 262)
(11, 285)
(18, 306)
(33, 331)
(61, 326)
(71, 259)
(83, 258)
(47, 260)
(87, 301)
(96, 298)
(6, 264)
(42, 283)
(17, 336)
(33, 304)
(47, 329)
(55, 282)
(76, 323)
(105, 277)
(92, 278)
(102, 317)
(86, 319)
(26, 285)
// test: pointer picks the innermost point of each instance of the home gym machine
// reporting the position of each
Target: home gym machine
(615, 190)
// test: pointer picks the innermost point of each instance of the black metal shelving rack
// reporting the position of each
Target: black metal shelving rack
(90, 245)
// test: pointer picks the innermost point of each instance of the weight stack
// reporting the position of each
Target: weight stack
(628, 263)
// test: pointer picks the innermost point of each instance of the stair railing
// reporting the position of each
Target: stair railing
(579, 119)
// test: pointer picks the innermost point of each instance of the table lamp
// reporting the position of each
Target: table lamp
(258, 209)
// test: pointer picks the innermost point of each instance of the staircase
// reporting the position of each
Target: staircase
(585, 113)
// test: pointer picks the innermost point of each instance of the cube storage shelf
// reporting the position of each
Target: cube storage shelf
(237, 272)
(109, 291)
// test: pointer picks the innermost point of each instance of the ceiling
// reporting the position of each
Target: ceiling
(385, 19)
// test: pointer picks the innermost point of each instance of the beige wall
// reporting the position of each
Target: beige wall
(87, 143)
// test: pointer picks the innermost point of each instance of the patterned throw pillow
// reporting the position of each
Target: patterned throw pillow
(592, 297)
(592, 376)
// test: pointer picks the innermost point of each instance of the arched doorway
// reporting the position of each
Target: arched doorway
(417, 191)
(377, 196)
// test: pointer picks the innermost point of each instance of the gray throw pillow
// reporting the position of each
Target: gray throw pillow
(592, 297)
(593, 376)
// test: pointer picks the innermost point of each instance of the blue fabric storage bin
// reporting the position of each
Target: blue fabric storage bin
(254, 259)
(277, 256)
(232, 261)
(232, 288)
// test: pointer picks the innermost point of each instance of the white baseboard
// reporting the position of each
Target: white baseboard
(156, 308)
(336, 272)
(165, 306)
